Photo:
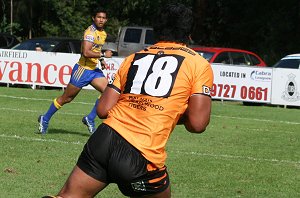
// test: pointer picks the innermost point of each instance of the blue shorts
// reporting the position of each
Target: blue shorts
(81, 77)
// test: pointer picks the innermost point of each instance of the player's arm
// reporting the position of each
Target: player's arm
(107, 100)
(87, 50)
(197, 115)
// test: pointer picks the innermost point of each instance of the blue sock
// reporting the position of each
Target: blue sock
(51, 111)
(92, 115)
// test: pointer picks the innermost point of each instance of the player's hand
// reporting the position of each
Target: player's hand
(103, 55)
(103, 64)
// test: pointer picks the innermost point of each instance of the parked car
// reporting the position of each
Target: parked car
(229, 56)
(110, 46)
(7, 41)
(54, 44)
(134, 38)
(291, 61)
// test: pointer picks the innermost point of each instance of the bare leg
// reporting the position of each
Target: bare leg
(81, 185)
(69, 94)
(99, 84)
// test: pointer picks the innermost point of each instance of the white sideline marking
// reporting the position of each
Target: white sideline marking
(50, 100)
(262, 120)
(39, 139)
(219, 116)
(26, 110)
(239, 157)
(180, 152)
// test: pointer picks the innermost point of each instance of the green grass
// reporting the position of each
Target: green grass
(247, 151)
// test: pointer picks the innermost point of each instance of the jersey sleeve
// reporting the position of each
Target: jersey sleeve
(203, 79)
(89, 36)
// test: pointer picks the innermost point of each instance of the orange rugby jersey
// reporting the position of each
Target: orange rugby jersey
(93, 35)
(155, 85)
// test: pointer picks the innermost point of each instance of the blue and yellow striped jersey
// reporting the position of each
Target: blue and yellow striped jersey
(93, 35)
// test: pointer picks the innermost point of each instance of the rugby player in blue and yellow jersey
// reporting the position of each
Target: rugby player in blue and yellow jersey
(84, 72)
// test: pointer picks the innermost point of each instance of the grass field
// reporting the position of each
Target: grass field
(247, 151)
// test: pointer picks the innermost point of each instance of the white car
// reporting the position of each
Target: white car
(291, 61)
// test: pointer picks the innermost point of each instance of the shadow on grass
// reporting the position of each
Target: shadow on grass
(84, 133)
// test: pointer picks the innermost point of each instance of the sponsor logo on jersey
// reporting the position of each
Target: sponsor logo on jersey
(89, 38)
(206, 90)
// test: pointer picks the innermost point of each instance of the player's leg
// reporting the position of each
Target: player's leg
(89, 119)
(69, 94)
(77, 81)
(99, 83)
(89, 176)
(81, 185)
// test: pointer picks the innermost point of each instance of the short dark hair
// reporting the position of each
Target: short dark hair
(174, 22)
(98, 10)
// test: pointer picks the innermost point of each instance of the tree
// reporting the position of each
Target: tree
(65, 18)
(5, 24)
(270, 28)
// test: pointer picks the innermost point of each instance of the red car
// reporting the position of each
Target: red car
(230, 56)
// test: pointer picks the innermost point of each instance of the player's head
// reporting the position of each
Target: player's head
(97, 10)
(99, 17)
(173, 23)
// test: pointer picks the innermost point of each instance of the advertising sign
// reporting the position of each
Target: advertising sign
(242, 83)
(286, 87)
(44, 68)
(238, 83)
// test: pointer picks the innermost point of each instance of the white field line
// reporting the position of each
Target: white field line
(219, 116)
(238, 157)
(32, 111)
(39, 99)
(38, 139)
(179, 152)
(254, 119)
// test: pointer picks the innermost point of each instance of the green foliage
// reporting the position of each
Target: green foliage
(246, 151)
(67, 18)
(5, 25)
(269, 28)
(112, 28)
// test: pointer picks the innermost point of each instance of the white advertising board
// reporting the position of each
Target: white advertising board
(44, 68)
(38, 68)
(238, 83)
(286, 87)
(242, 83)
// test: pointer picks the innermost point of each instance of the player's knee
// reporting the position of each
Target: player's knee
(68, 99)
(64, 100)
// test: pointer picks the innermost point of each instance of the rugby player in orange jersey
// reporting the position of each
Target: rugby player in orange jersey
(154, 89)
